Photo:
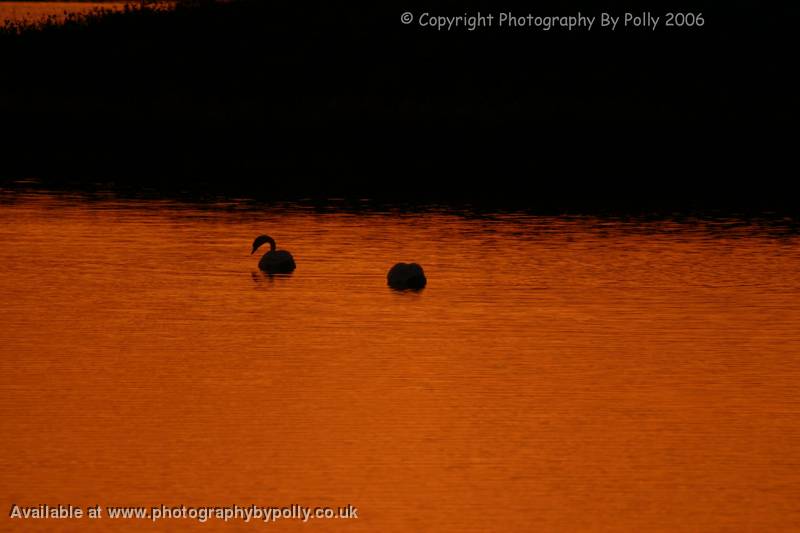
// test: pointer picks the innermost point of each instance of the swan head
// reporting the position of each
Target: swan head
(261, 239)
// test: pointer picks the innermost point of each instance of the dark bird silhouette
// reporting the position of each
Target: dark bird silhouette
(406, 276)
(274, 261)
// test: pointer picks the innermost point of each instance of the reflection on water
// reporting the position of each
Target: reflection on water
(33, 11)
(556, 374)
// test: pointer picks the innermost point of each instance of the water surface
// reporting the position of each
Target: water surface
(35, 11)
(557, 374)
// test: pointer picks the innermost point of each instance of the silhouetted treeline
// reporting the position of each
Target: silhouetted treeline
(257, 89)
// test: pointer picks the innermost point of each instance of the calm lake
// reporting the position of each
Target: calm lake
(557, 373)
(33, 11)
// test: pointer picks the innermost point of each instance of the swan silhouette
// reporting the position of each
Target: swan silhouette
(274, 261)
(406, 276)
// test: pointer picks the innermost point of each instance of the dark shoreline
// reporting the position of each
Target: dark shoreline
(297, 65)
(609, 197)
(289, 100)
(555, 170)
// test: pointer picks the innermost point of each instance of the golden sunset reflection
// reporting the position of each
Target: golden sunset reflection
(556, 374)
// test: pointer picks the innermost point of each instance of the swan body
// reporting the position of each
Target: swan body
(406, 276)
(274, 261)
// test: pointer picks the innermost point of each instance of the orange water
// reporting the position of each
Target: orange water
(33, 11)
(557, 374)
